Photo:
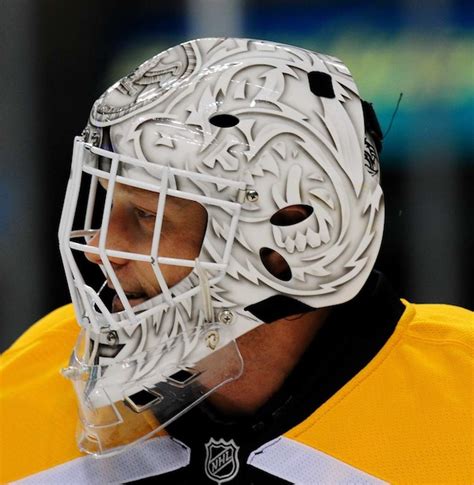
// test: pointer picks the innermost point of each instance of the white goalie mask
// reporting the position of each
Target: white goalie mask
(281, 154)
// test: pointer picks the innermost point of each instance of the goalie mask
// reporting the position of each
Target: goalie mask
(270, 159)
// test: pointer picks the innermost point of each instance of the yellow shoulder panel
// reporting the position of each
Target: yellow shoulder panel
(37, 405)
(407, 417)
(443, 323)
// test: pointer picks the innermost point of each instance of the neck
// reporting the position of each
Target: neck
(270, 352)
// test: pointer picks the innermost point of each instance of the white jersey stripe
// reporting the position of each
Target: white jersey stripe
(150, 458)
(303, 465)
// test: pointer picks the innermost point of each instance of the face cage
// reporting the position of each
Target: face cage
(111, 417)
(83, 296)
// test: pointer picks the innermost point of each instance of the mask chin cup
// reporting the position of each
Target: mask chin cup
(115, 413)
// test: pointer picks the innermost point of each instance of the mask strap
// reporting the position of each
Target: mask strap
(205, 292)
(372, 125)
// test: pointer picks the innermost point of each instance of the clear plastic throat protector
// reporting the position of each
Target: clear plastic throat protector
(143, 358)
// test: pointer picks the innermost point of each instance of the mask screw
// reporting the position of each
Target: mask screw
(94, 138)
(70, 372)
(112, 337)
(73, 373)
(212, 339)
(85, 134)
(252, 195)
(225, 317)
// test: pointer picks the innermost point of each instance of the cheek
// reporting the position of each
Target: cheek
(174, 274)
(173, 244)
(180, 238)
(183, 238)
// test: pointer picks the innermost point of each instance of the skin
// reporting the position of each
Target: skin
(131, 229)
(267, 366)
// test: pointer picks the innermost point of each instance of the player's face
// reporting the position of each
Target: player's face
(131, 227)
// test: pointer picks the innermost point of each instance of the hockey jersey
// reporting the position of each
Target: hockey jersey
(402, 414)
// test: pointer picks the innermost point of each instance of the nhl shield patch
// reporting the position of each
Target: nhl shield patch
(222, 461)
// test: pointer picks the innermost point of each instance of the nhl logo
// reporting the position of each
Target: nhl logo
(222, 463)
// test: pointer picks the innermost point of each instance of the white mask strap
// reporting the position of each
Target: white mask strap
(205, 292)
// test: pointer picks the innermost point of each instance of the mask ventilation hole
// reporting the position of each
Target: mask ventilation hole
(291, 214)
(182, 378)
(104, 163)
(224, 120)
(142, 400)
(275, 264)
(320, 84)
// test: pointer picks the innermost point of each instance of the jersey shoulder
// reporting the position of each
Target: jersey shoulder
(47, 342)
(443, 324)
(408, 412)
(38, 404)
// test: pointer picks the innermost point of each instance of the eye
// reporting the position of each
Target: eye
(144, 215)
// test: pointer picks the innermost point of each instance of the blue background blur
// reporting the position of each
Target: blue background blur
(57, 57)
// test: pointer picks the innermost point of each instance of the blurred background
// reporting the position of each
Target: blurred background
(57, 57)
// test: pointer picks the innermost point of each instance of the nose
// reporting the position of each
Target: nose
(116, 239)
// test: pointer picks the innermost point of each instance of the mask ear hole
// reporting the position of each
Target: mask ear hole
(224, 120)
(275, 264)
(291, 214)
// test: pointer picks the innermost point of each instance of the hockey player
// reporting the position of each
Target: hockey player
(235, 330)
